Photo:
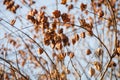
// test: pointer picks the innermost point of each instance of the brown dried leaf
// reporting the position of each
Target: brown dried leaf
(58, 45)
(57, 13)
(97, 65)
(61, 56)
(65, 17)
(99, 52)
(118, 50)
(12, 22)
(83, 6)
(71, 54)
(73, 41)
(67, 71)
(22, 53)
(46, 42)
(100, 13)
(76, 37)
(88, 51)
(70, 7)
(82, 35)
(40, 50)
(91, 71)
(63, 75)
(112, 64)
(13, 42)
(63, 2)
(60, 31)
(23, 62)
(54, 25)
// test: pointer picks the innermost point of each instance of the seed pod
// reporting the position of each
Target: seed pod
(61, 56)
(76, 37)
(67, 71)
(17, 6)
(60, 31)
(112, 64)
(34, 11)
(83, 6)
(100, 14)
(89, 33)
(70, 7)
(23, 62)
(58, 45)
(63, 75)
(54, 25)
(97, 65)
(40, 50)
(29, 17)
(118, 50)
(99, 52)
(12, 22)
(65, 17)
(63, 1)
(91, 71)
(46, 42)
(22, 53)
(56, 13)
(88, 51)
(82, 35)
(71, 55)
(73, 41)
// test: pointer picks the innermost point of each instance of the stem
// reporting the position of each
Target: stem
(14, 68)
(31, 39)
(96, 38)
(106, 69)
(114, 23)
(75, 69)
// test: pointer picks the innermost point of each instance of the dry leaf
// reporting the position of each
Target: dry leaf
(82, 35)
(65, 17)
(70, 7)
(57, 13)
(22, 53)
(71, 55)
(61, 56)
(88, 51)
(63, 1)
(12, 22)
(83, 6)
(99, 52)
(76, 37)
(118, 50)
(73, 41)
(40, 50)
(100, 14)
(97, 65)
(112, 64)
(91, 71)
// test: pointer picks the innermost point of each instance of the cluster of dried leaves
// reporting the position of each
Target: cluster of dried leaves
(10, 5)
(51, 31)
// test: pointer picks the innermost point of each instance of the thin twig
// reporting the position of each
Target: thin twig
(31, 39)
(75, 69)
(96, 38)
(14, 68)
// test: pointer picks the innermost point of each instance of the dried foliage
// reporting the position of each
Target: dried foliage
(72, 40)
